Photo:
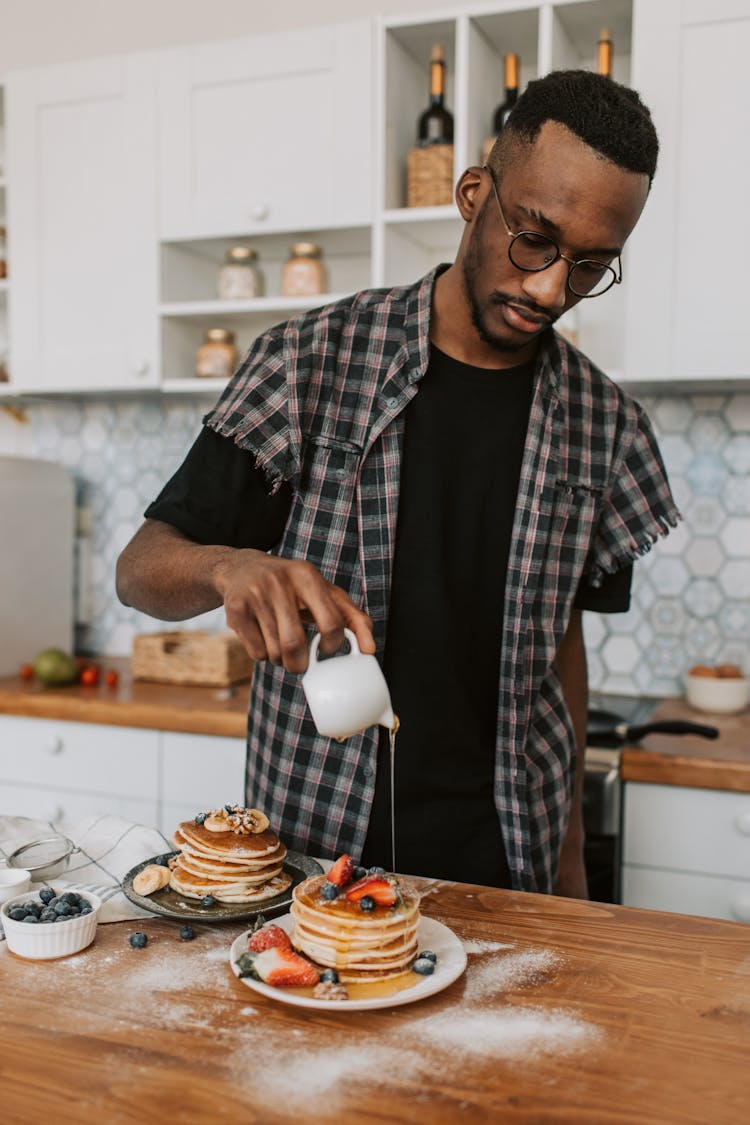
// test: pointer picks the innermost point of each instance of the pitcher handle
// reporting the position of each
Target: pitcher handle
(316, 642)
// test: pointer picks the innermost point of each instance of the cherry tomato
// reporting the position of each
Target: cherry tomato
(26, 671)
(111, 677)
(90, 675)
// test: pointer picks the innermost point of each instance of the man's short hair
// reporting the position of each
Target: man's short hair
(607, 116)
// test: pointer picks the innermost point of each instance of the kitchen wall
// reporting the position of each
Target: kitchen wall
(691, 594)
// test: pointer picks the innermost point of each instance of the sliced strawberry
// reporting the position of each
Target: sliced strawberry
(269, 937)
(379, 890)
(285, 969)
(341, 872)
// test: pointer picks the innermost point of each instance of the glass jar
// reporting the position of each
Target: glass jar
(216, 358)
(304, 274)
(239, 278)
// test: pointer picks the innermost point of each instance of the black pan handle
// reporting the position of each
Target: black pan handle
(671, 726)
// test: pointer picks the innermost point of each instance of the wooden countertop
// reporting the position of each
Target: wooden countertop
(691, 761)
(133, 703)
(568, 1012)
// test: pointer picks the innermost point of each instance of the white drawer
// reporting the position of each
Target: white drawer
(701, 830)
(80, 756)
(58, 805)
(683, 893)
(202, 771)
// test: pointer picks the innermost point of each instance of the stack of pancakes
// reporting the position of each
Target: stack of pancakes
(231, 865)
(360, 946)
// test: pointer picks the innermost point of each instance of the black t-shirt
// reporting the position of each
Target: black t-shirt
(465, 432)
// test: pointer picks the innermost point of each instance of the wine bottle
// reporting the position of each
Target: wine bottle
(436, 123)
(502, 113)
(604, 53)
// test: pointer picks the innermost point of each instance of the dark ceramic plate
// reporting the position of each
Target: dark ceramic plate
(172, 905)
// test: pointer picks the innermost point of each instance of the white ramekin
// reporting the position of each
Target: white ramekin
(45, 940)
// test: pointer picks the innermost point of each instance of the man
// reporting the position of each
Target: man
(436, 469)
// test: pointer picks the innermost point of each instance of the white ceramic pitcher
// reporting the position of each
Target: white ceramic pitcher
(346, 693)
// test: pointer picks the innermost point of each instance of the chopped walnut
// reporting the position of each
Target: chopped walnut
(330, 990)
(234, 818)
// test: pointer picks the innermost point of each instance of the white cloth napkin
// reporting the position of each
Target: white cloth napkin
(109, 847)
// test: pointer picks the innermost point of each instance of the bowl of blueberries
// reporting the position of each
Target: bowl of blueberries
(40, 925)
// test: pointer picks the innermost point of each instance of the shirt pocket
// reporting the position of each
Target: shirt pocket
(574, 513)
(327, 465)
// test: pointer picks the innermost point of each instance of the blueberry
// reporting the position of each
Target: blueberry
(366, 903)
(200, 818)
(208, 900)
(63, 908)
(329, 975)
(17, 914)
(47, 915)
(85, 909)
(329, 891)
(46, 894)
(428, 955)
(71, 898)
(31, 918)
(229, 808)
(424, 966)
(359, 873)
(376, 871)
(187, 933)
(138, 940)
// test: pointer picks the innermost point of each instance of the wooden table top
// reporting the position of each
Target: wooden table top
(569, 1012)
(133, 703)
(686, 759)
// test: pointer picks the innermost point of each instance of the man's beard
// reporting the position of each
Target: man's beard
(472, 272)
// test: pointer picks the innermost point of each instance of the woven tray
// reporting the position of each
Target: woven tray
(191, 657)
(430, 176)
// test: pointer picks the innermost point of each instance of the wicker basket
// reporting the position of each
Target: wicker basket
(430, 176)
(191, 657)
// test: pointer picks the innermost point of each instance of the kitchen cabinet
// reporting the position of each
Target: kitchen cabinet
(267, 133)
(62, 771)
(81, 155)
(686, 292)
(686, 850)
(198, 772)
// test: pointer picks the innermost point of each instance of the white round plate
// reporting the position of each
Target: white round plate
(451, 962)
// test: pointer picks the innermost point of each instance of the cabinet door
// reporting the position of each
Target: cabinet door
(61, 771)
(683, 892)
(687, 275)
(200, 772)
(82, 224)
(268, 133)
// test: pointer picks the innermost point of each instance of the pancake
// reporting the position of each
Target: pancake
(231, 854)
(360, 945)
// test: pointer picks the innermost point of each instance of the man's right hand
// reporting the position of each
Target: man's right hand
(267, 598)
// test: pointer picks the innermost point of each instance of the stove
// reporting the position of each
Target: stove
(602, 796)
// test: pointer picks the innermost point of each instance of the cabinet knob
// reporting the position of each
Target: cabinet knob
(260, 212)
(55, 745)
(742, 823)
(739, 908)
(141, 368)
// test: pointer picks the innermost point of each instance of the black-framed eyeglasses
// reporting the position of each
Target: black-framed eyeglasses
(530, 251)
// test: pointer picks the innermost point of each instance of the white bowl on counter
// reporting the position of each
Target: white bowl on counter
(13, 881)
(718, 695)
(42, 941)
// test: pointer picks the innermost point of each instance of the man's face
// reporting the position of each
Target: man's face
(561, 188)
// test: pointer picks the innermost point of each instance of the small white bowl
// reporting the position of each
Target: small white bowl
(718, 695)
(13, 881)
(45, 940)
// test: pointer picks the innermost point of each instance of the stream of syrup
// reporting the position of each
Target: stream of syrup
(392, 736)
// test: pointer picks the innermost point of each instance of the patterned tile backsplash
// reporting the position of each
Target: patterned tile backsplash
(691, 594)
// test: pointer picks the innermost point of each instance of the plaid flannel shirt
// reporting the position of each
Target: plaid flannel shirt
(319, 400)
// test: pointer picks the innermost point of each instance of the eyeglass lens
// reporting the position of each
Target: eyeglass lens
(534, 252)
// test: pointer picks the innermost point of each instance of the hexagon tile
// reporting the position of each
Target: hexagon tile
(691, 593)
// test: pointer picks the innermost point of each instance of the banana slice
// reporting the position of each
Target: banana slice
(151, 879)
(217, 823)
